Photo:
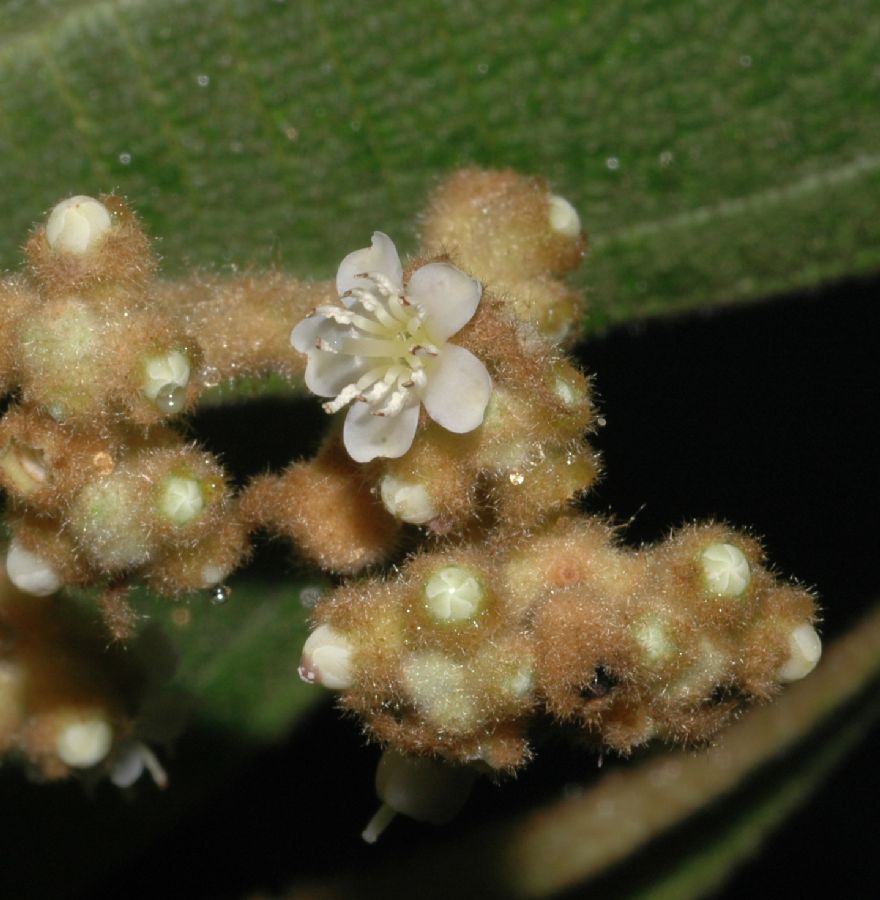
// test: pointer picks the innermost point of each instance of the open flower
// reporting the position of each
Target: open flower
(385, 351)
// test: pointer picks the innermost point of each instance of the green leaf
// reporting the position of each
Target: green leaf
(238, 659)
(717, 152)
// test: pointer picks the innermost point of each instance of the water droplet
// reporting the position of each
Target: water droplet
(601, 421)
(354, 125)
(311, 595)
(482, 68)
(210, 377)
(170, 398)
(745, 60)
(666, 158)
(125, 159)
(220, 594)
(203, 80)
(516, 478)
(291, 132)
(612, 163)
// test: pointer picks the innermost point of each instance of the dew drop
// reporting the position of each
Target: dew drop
(612, 163)
(210, 377)
(220, 594)
(125, 159)
(170, 398)
(203, 80)
(310, 595)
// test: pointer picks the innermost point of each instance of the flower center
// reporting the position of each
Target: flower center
(383, 327)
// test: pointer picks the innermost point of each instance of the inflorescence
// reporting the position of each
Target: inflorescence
(463, 435)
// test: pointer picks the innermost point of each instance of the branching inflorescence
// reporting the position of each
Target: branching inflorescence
(462, 435)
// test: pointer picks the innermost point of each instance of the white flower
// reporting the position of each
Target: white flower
(385, 351)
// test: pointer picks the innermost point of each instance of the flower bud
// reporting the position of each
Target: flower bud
(77, 225)
(30, 572)
(165, 380)
(181, 499)
(725, 569)
(454, 594)
(423, 789)
(805, 647)
(407, 501)
(82, 744)
(326, 659)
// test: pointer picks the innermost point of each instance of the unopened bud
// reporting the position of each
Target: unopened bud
(30, 572)
(181, 499)
(81, 745)
(563, 217)
(454, 594)
(407, 501)
(76, 225)
(805, 648)
(326, 659)
(423, 789)
(165, 377)
(725, 569)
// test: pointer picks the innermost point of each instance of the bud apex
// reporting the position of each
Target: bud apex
(165, 378)
(83, 744)
(326, 659)
(726, 569)
(805, 651)
(454, 594)
(29, 572)
(407, 501)
(563, 217)
(77, 224)
(181, 499)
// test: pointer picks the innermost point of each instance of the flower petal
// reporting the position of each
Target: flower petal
(305, 333)
(367, 436)
(458, 390)
(328, 373)
(380, 257)
(448, 297)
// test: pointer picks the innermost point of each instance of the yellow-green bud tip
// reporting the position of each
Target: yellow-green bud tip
(454, 594)
(181, 500)
(725, 569)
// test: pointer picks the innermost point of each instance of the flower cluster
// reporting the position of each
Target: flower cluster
(459, 466)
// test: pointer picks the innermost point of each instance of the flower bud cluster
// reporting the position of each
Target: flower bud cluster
(455, 655)
(68, 703)
(519, 606)
(99, 486)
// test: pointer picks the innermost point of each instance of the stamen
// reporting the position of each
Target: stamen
(384, 283)
(394, 403)
(343, 398)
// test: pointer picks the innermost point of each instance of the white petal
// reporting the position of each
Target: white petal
(305, 333)
(458, 390)
(380, 257)
(367, 436)
(328, 373)
(448, 297)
